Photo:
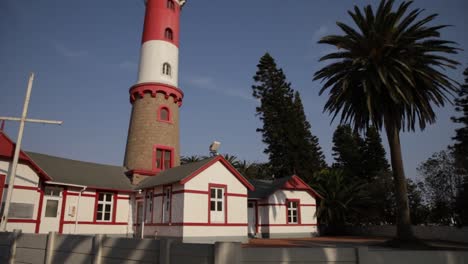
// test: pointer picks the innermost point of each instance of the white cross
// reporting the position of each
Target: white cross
(12, 172)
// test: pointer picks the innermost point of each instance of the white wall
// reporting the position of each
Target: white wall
(25, 177)
(273, 214)
(153, 54)
(196, 205)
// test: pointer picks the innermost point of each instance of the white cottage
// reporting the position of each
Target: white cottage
(282, 208)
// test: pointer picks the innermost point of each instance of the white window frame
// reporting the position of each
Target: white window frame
(293, 212)
(217, 199)
(104, 203)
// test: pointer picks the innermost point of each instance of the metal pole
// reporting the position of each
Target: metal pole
(42, 121)
(12, 173)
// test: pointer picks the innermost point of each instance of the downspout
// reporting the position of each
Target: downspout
(78, 207)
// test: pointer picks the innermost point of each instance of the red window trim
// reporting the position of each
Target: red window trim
(225, 201)
(298, 211)
(169, 114)
(114, 205)
(164, 148)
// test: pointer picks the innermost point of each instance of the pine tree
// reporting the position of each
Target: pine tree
(460, 149)
(347, 150)
(461, 137)
(374, 155)
(291, 147)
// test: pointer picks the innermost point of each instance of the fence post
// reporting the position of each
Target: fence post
(165, 250)
(50, 247)
(14, 238)
(97, 248)
(227, 253)
(362, 255)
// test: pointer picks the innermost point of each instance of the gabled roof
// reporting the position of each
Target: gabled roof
(77, 172)
(264, 188)
(186, 172)
(7, 150)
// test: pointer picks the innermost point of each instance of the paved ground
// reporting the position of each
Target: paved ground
(343, 241)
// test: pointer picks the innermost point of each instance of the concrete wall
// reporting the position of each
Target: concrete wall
(53, 248)
(447, 233)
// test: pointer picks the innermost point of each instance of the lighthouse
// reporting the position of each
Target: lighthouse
(153, 134)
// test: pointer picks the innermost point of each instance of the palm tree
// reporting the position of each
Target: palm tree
(340, 198)
(190, 159)
(387, 73)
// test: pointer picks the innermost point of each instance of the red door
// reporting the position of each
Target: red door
(2, 185)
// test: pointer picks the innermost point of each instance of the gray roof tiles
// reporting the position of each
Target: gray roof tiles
(82, 173)
(174, 174)
(263, 188)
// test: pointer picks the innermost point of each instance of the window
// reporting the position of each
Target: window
(166, 69)
(21, 210)
(168, 34)
(52, 191)
(167, 204)
(293, 212)
(104, 207)
(217, 203)
(163, 159)
(170, 4)
(164, 114)
(51, 208)
(216, 199)
(149, 206)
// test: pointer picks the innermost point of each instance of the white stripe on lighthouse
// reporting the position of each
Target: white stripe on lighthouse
(154, 54)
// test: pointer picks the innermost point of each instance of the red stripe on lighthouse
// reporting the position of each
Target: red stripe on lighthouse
(159, 16)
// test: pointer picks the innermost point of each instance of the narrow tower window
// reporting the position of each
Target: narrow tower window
(164, 114)
(168, 33)
(170, 4)
(166, 69)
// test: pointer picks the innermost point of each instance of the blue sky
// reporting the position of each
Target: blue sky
(85, 55)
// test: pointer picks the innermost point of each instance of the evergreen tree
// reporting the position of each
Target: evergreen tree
(460, 149)
(461, 137)
(347, 150)
(374, 156)
(291, 147)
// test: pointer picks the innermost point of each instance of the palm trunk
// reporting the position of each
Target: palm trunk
(404, 230)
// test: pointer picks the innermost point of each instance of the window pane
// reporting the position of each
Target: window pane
(106, 216)
(294, 219)
(167, 159)
(108, 197)
(101, 197)
(99, 216)
(99, 207)
(220, 193)
(213, 192)
(164, 114)
(108, 207)
(212, 205)
(220, 206)
(158, 159)
(51, 208)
